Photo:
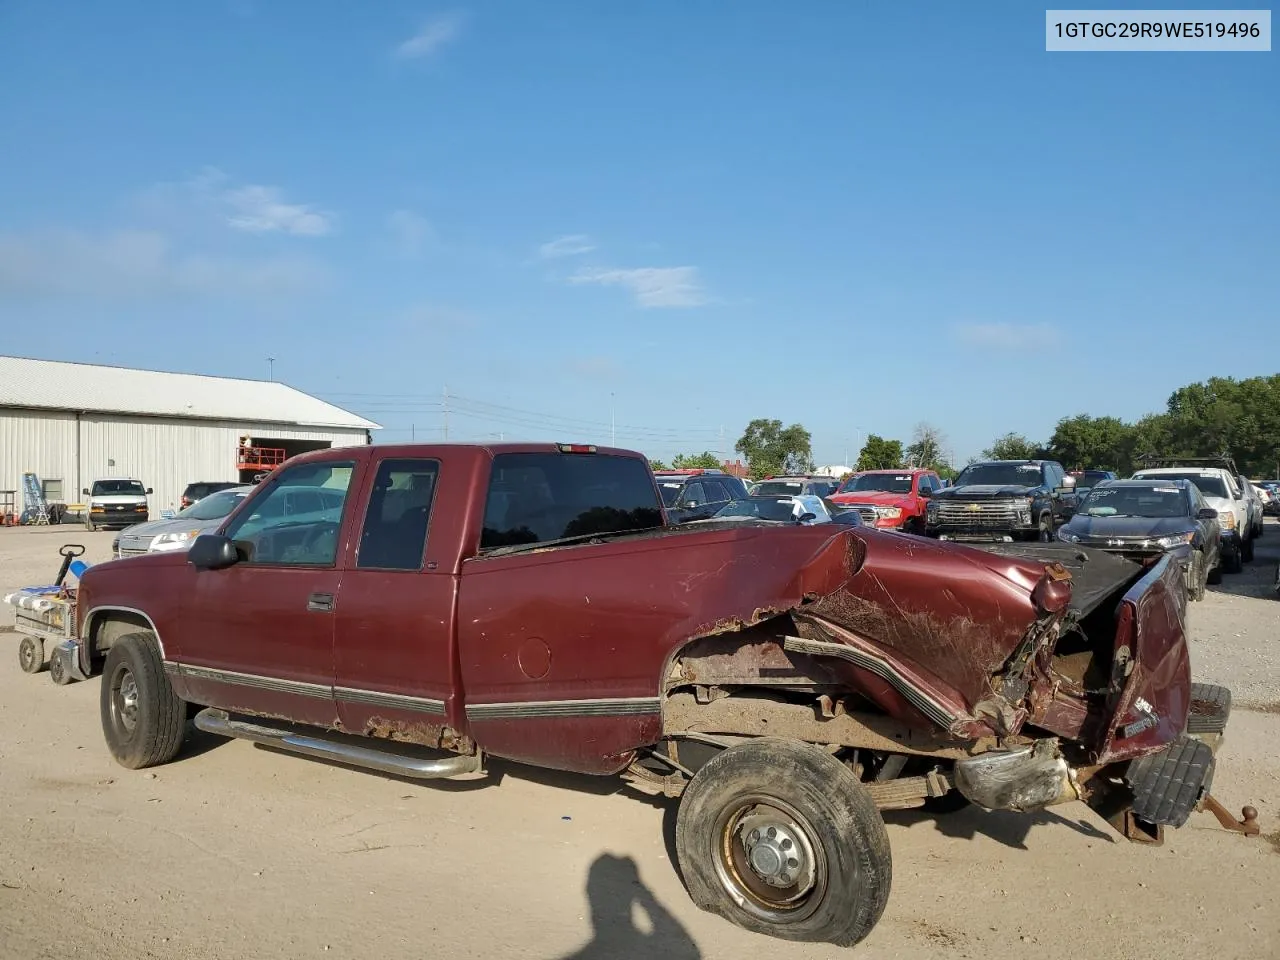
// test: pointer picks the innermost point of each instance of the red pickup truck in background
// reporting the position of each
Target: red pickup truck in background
(890, 499)
(436, 604)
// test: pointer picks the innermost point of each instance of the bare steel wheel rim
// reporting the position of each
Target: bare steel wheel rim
(124, 701)
(768, 861)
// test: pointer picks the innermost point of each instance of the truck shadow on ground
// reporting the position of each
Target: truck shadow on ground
(1010, 829)
(615, 893)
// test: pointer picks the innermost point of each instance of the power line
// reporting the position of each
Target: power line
(406, 403)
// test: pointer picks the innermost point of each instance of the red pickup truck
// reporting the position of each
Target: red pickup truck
(890, 499)
(430, 605)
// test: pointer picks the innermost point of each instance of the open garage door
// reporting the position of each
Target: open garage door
(263, 454)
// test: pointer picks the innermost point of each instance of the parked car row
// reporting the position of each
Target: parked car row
(1202, 512)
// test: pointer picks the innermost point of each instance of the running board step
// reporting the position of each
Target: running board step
(326, 747)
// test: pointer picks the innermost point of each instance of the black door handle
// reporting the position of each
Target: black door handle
(320, 602)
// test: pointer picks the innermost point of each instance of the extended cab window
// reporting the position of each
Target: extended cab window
(538, 497)
(395, 525)
(296, 521)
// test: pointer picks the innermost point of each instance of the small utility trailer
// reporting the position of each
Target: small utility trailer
(45, 621)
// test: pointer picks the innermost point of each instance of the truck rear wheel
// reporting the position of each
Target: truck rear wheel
(143, 719)
(782, 839)
(31, 655)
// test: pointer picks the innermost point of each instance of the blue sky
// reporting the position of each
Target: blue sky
(853, 216)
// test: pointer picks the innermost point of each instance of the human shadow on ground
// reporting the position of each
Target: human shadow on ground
(614, 891)
(1010, 829)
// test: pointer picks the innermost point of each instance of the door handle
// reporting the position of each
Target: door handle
(320, 602)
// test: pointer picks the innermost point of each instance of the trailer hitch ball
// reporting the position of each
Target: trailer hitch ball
(1248, 824)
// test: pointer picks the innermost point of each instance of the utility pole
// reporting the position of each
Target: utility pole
(271, 368)
(412, 436)
(613, 427)
(446, 412)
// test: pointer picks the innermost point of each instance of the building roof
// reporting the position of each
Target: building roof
(89, 388)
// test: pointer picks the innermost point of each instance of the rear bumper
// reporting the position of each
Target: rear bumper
(1140, 797)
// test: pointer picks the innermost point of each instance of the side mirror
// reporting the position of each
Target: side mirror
(212, 551)
(1207, 513)
(691, 503)
(806, 517)
(925, 492)
(84, 492)
(150, 491)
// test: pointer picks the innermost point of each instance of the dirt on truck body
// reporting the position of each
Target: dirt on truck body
(786, 682)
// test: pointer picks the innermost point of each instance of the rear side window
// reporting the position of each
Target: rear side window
(395, 524)
(539, 497)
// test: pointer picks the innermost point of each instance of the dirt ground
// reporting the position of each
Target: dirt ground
(236, 851)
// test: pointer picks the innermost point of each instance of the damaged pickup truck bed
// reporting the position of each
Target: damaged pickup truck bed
(787, 683)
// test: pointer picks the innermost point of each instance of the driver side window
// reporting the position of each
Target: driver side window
(296, 522)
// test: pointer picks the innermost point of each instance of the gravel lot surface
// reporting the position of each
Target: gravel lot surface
(235, 851)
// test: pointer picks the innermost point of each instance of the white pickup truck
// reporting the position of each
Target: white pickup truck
(115, 502)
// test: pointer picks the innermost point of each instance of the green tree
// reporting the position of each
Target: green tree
(657, 465)
(1084, 442)
(772, 449)
(1012, 446)
(696, 461)
(926, 449)
(880, 454)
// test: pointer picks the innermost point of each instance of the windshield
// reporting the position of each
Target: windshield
(670, 491)
(1153, 501)
(215, 506)
(1211, 485)
(107, 488)
(881, 482)
(761, 509)
(1088, 478)
(1000, 475)
(778, 488)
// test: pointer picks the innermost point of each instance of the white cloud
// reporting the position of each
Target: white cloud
(572, 245)
(1008, 336)
(251, 208)
(651, 286)
(259, 209)
(139, 264)
(410, 232)
(434, 34)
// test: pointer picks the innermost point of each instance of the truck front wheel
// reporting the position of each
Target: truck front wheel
(782, 839)
(143, 720)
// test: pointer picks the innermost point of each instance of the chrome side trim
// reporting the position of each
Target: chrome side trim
(272, 684)
(404, 763)
(881, 668)
(398, 701)
(542, 709)
(93, 614)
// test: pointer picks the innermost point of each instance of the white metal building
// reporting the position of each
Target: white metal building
(72, 423)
